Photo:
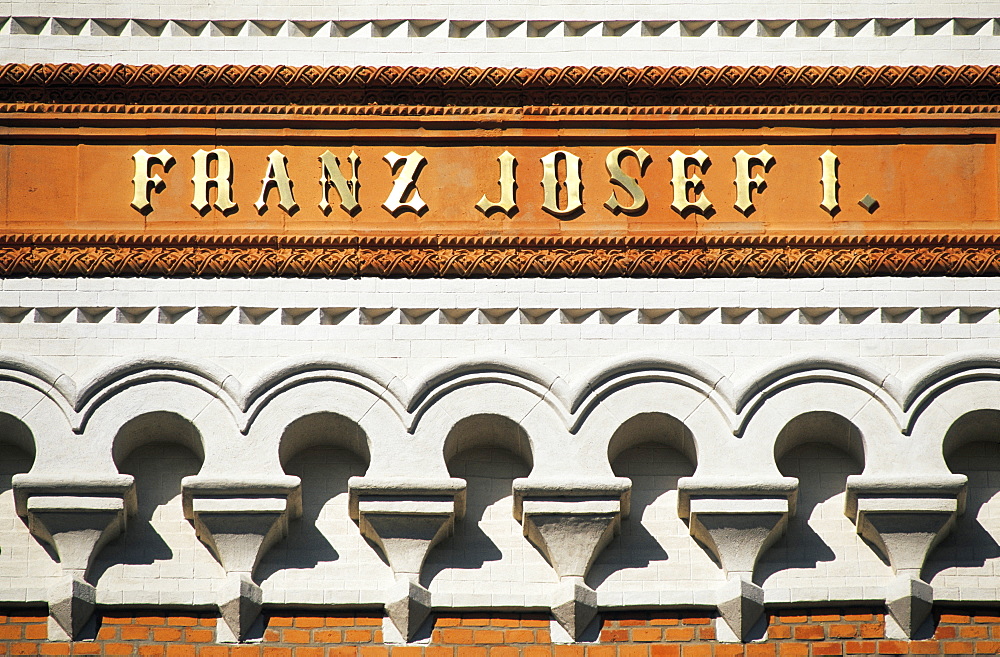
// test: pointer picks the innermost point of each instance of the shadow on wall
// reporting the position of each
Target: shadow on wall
(17, 453)
(654, 450)
(972, 448)
(821, 449)
(158, 449)
(324, 450)
(311, 539)
(488, 452)
(654, 470)
(158, 469)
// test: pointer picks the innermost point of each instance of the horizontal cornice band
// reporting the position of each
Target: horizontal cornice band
(653, 77)
(691, 112)
(497, 257)
(502, 241)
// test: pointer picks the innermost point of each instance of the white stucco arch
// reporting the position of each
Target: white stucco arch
(848, 390)
(380, 433)
(514, 400)
(224, 451)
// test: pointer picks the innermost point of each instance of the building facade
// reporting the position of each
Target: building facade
(647, 328)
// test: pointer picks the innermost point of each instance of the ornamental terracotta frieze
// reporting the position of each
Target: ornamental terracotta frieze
(944, 256)
(365, 89)
(219, 171)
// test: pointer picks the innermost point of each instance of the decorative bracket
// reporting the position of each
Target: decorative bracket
(737, 519)
(239, 520)
(406, 518)
(77, 518)
(570, 522)
(905, 519)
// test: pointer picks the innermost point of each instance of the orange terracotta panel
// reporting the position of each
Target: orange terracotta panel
(946, 185)
(920, 141)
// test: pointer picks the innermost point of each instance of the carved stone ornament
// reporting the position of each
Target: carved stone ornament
(76, 517)
(904, 518)
(239, 520)
(737, 519)
(318, 88)
(570, 522)
(111, 255)
(406, 518)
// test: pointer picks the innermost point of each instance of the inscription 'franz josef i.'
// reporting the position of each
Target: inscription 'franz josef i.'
(562, 182)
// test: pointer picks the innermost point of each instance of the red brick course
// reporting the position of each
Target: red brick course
(791, 633)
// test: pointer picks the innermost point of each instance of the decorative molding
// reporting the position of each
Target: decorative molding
(570, 468)
(66, 93)
(239, 521)
(905, 519)
(77, 518)
(431, 27)
(206, 85)
(406, 518)
(371, 316)
(674, 77)
(737, 520)
(511, 112)
(26, 255)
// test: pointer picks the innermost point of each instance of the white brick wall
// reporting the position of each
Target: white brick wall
(566, 326)
(736, 325)
(511, 34)
(535, 9)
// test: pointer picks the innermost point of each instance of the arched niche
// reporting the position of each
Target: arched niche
(654, 451)
(971, 447)
(156, 427)
(20, 553)
(981, 426)
(15, 434)
(488, 432)
(489, 452)
(158, 449)
(324, 548)
(653, 428)
(820, 427)
(821, 449)
(17, 456)
(324, 429)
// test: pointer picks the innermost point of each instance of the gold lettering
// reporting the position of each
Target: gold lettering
(830, 183)
(347, 189)
(223, 180)
(277, 175)
(508, 188)
(405, 183)
(625, 181)
(143, 182)
(573, 184)
(682, 182)
(744, 183)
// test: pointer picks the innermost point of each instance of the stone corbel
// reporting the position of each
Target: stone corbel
(406, 518)
(239, 520)
(905, 518)
(737, 519)
(76, 517)
(570, 522)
